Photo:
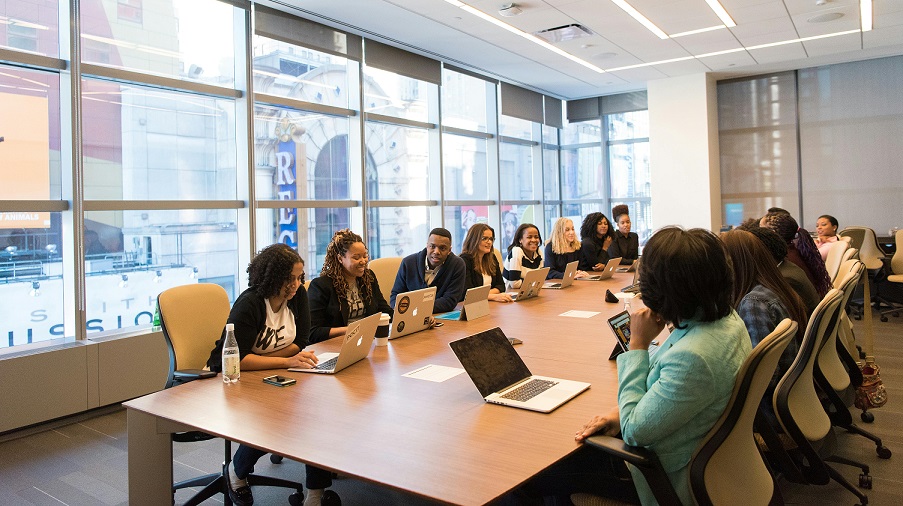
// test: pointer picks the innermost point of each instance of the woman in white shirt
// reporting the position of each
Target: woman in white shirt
(523, 255)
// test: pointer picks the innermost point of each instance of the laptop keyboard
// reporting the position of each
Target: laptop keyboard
(529, 390)
(329, 364)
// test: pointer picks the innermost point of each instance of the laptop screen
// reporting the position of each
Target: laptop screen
(490, 360)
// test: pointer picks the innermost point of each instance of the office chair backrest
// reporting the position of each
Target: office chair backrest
(835, 257)
(498, 256)
(896, 261)
(850, 253)
(796, 403)
(829, 362)
(385, 269)
(869, 252)
(730, 450)
(193, 318)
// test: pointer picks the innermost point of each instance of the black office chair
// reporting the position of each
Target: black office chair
(729, 449)
(193, 318)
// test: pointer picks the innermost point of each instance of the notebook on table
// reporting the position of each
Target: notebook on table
(476, 305)
(530, 285)
(413, 311)
(503, 378)
(566, 279)
(355, 347)
(607, 272)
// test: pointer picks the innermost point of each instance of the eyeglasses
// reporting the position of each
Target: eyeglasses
(487, 239)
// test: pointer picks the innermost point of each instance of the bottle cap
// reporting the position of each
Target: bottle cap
(230, 326)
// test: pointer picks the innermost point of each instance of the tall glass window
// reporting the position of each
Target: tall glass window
(31, 26)
(630, 175)
(183, 40)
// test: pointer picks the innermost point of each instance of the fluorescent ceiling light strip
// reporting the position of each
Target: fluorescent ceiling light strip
(701, 30)
(536, 40)
(865, 13)
(804, 39)
(718, 53)
(660, 62)
(721, 13)
(635, 14)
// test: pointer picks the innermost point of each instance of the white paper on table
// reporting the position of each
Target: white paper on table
(432, 372)
(579, 314)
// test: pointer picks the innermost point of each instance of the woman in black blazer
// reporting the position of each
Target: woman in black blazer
(626, 244)
(346, 290)
(481, 267)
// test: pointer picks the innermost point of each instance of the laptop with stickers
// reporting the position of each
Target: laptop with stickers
(413, 311)
(531, 285)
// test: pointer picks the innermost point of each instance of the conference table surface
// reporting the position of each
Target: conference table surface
(438, 440)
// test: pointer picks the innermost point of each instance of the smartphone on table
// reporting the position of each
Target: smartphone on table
(279, 381)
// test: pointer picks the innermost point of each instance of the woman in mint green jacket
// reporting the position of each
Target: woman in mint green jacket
(669, 400)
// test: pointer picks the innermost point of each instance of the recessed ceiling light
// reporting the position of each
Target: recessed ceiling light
(509, 10)
(824, 18)
(604, 56)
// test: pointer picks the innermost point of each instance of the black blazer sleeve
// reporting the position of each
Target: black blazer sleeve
(301, 309)
(326, 310)
(498, 282)
(553, 262)
(472, 278)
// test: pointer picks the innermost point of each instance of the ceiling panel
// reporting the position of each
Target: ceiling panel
(778, 53)
(440, 30)
(840, 44)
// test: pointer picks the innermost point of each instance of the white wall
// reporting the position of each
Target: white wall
(684, 158)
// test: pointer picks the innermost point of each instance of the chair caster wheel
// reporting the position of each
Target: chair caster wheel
(857, 317)
(865, 481)
(867, 417)
(275, 459)
(296, 499)
(330, 498)
(883, 452)
(884, 318)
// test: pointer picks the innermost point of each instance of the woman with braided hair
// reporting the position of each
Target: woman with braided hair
(346, 289)
(801, 249)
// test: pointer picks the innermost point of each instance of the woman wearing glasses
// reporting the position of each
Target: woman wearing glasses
(346, 290)
(481, 267)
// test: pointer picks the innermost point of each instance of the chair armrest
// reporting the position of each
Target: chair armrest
(636, 455)
(186, 375)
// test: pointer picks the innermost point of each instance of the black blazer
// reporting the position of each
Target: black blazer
(472, 278)
(628, 248)
(592, 253)
(328, 310)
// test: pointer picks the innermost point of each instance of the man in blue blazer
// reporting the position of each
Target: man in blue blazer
(437, 266)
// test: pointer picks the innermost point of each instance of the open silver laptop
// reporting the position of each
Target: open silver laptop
(635, 286)
(413, 311)
(531, 285)
(476, 305)
(355, 347)
(566, 279)
(606, 273)
(503, 378)
(629, 268)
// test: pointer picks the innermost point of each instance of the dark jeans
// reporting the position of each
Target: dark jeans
(245, 458)
(586, 470)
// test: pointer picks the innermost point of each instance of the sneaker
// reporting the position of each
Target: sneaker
(240, 492)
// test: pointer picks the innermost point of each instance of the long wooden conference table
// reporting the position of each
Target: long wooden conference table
(438, 440)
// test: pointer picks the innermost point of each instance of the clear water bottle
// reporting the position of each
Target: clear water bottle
(231, 357)
(627, 304)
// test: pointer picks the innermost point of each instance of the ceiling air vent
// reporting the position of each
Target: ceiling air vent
(566, 32)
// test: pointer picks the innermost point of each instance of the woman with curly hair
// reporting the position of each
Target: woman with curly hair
(596, 235)
(801, 249)
(562, 248)
(346, 290)
(272, 323)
